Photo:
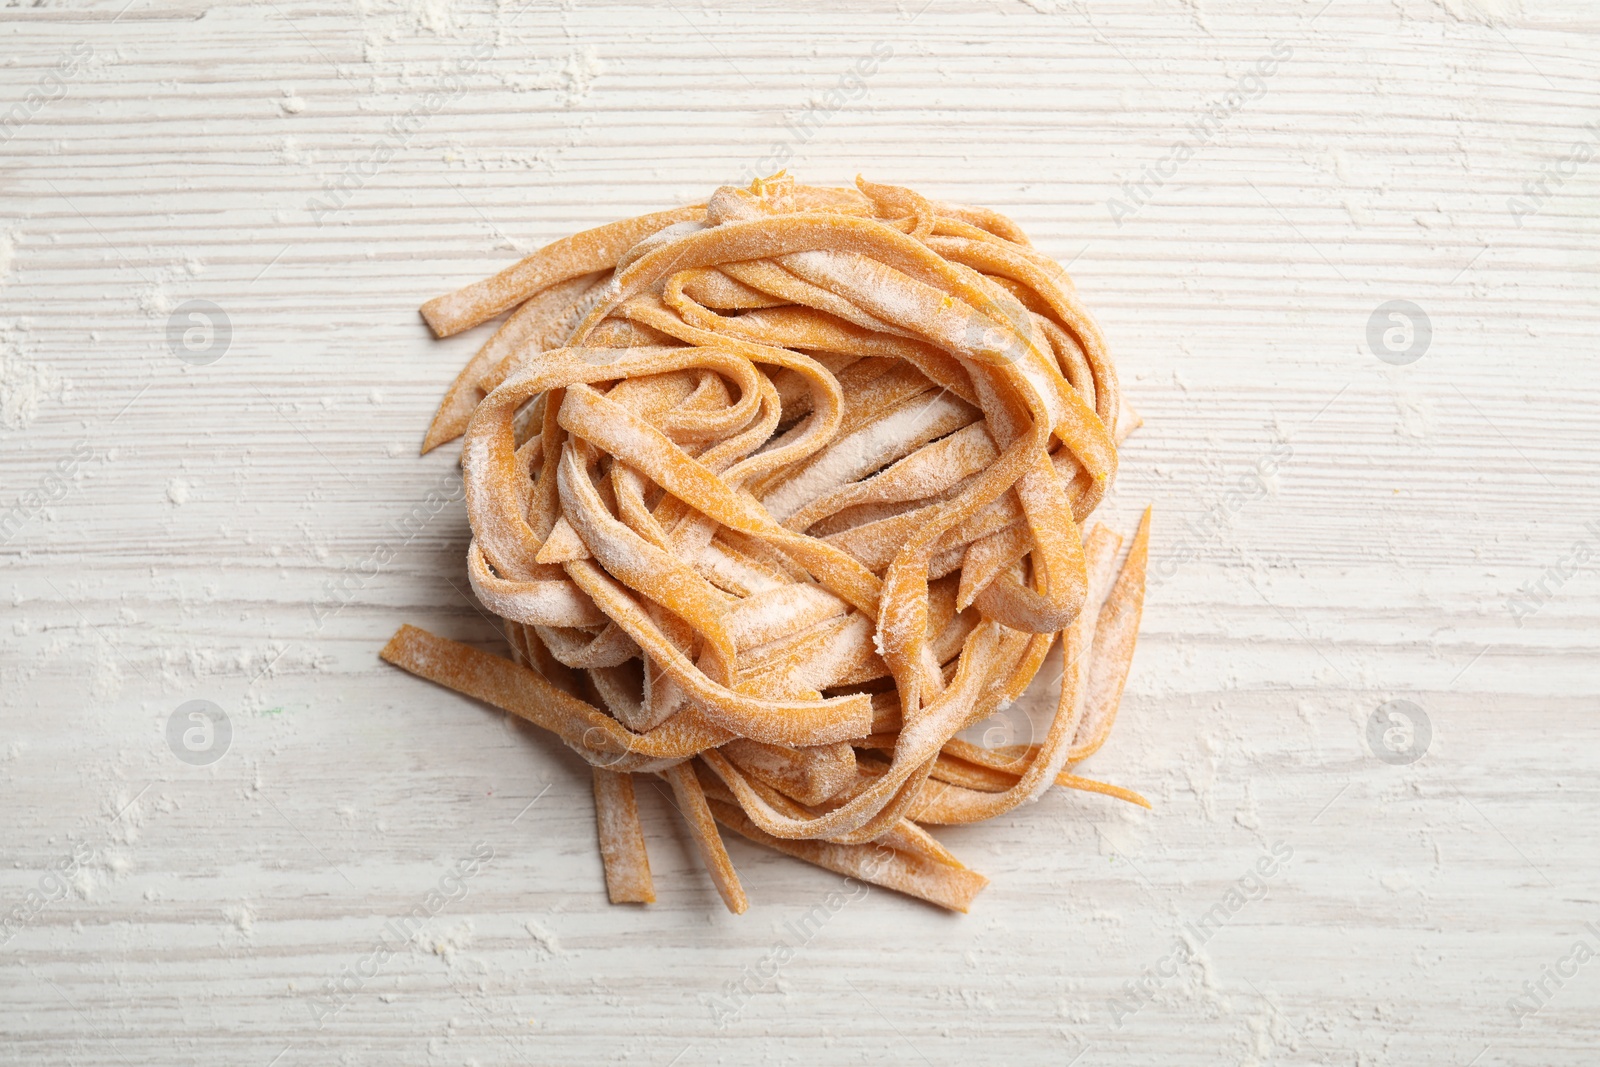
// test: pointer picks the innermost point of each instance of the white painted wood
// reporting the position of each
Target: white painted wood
(208, 506)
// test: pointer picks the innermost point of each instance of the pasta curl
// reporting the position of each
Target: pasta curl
(778, 494)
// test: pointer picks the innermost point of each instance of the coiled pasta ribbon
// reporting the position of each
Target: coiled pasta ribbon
(779, 493)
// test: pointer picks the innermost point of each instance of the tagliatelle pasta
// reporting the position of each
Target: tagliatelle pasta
(777, 495)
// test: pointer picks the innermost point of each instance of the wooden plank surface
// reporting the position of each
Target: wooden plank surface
(201, 914)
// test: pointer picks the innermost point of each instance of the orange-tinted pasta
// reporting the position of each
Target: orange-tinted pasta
(774, 487)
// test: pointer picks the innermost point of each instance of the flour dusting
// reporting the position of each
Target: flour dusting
(23, 382)
(573, 77)
(242, 917)
(154, 302)
(549, 944)
(448, 942)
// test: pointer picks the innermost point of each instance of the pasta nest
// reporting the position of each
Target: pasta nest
(776, 495)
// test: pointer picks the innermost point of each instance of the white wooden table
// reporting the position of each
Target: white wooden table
(168, 527)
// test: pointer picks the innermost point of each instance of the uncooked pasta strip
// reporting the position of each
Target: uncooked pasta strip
(622, 846)
(1116, 633)
(703, 828)
(938, 883)
(597, 736)
(810, 775)
(570, 257)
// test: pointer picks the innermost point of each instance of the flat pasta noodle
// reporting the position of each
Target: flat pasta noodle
(779, 493)
(622, 847)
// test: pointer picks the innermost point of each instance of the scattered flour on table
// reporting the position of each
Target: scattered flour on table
(385, 22)
(23, 382)
(549, 944)
(241, 916)
(106, 680)
(1204, 976)
(1264, 1034)
(435, 16)
(572, 77)
(289, 151)
(154, 302)
(447, 943)
(8, 254)
(84, 882)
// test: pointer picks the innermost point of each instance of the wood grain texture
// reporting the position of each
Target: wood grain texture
(221, 913)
